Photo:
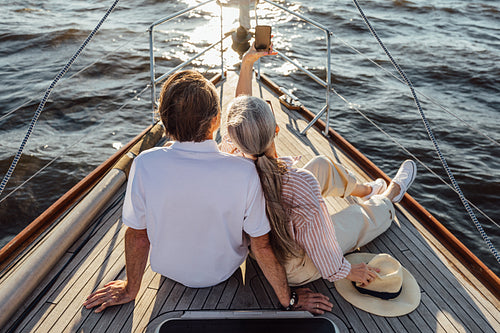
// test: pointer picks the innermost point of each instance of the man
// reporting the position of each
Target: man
(189, 206)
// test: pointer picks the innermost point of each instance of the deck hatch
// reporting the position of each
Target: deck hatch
(246, 322)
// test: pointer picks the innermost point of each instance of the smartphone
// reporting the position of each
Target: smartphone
(262, 37)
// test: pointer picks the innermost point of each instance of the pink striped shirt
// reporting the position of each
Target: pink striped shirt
(311, 224)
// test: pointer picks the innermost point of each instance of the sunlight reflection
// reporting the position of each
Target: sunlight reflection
(446, 317)
(199, 29)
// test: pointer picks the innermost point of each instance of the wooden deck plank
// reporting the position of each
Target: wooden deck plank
(261, 288)
(470, 294)
(443, 275)
(354, 320)
(427, 282)
(244, 296)
(443, 324)
(199, 299)
(99, 322)
(70, 310)
(142, 312)
(186, 299)
(171, 294)
(73, 297)
(43, 310)
(214, 296)
(228, 295)
(42, 307)
(146, 307)
(323, 288)
(126, 311)
(48, 297)
(92, 255)
(456, 268)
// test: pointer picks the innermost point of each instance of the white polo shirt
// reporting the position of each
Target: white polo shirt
(196, 204)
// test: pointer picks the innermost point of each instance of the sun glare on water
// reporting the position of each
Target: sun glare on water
(209, 32)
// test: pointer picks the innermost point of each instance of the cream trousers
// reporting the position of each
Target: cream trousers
(355, 225)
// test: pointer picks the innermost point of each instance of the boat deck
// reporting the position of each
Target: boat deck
(452, 299)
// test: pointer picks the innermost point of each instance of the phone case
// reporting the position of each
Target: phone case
(262, 37)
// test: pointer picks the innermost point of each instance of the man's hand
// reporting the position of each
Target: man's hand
(315, 303)
(119, 292)
(113, 293)
(362, 273)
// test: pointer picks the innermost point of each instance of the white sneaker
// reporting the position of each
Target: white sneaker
(378, 186)
(404, 178)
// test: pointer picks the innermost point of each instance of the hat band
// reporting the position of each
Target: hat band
(379, 294)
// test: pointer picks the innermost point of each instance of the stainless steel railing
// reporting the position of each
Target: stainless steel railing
(155, 80)
(325, 83)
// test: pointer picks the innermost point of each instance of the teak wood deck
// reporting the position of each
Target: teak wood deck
(452, 299)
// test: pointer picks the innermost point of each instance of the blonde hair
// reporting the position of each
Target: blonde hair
(251, 126)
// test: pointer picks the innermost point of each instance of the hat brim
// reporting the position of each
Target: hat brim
(405, 303)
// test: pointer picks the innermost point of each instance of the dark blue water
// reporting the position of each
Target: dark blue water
(450, 51)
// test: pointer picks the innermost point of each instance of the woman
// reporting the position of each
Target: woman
(306, 240)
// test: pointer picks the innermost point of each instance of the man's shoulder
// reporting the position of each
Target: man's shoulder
(150, 153)
(230, 158)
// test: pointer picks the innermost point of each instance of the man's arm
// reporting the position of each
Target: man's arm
(275, 274)
(120, 292)
(270, 266)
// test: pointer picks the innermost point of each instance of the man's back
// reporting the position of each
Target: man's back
(196, 204)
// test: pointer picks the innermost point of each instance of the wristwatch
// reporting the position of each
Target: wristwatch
(293, 301)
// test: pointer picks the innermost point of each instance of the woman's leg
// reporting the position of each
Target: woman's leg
(334, 179)
(300, 271)
(359, 224)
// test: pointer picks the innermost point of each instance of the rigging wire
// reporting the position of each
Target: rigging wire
(72, 145)
(431, 99)
(77, 73)
(351, 105)
(47, 94)
(431, 136)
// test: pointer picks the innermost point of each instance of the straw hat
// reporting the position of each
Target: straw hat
(393, 282)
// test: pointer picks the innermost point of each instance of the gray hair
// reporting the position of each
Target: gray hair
(251, 126)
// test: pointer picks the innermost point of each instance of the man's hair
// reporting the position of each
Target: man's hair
(188, 104)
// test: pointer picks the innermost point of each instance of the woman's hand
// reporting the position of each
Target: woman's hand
(362, 273)
(315, 303)
(244, 86)
(252, 55)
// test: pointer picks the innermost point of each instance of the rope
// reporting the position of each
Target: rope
(433, 139)
(47, 94)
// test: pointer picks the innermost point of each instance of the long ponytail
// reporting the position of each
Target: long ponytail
(251, 126)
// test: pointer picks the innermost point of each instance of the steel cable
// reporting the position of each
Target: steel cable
(431, 136)
(432, 100)
(47, 94)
